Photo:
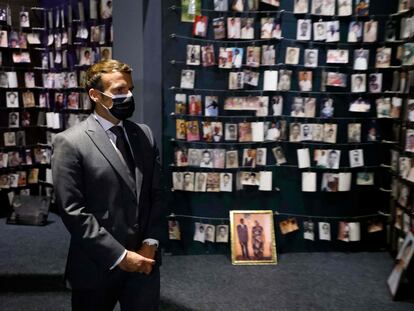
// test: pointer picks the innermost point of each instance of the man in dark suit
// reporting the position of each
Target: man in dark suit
(242, 233)
(106, 174)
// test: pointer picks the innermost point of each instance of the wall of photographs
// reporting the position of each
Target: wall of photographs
(402, 207)
(290, 106)
(44, 54)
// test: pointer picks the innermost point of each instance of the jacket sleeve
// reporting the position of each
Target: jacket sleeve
(155, 227)
(67, 170)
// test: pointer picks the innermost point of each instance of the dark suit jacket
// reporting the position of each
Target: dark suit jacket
(103, 208)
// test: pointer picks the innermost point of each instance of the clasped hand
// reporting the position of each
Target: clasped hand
(141, 261)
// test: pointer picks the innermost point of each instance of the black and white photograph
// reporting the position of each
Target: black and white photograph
(9, 139)
(306, 132)
(14, 119)
(268, 55)
(317, 7)
(311, 58)
(294, 132)
(356, 158)
(324, 231)
(12, 99)
(261, 156)
(298, 107)
(279, 155)
(29, 79)
(200, 184)
(329, 158)
(358, 83)
(329, 132)
(226, 182)
(24, 19)
(188, 181)
(187, 79)
(230, 132)
(232, 159)
(221, 5)
(222, 234)
(285, 78)
(193, 55)
(319, 31)
(251, 77)
(292, 55)
(105, 9)
(309, 230)
(328, 8)
(361, 59)
(327, 108)
(332, 31)
(199, 232)
(236, 80)
(304, 29)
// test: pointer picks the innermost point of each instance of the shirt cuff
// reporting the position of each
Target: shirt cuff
(151, 242)
(119, 260)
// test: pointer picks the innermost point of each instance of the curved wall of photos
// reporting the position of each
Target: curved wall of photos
(291, 107)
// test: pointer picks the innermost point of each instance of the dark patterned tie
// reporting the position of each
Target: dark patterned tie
(123, 147)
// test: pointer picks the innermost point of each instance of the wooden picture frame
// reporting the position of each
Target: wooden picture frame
(256, 229)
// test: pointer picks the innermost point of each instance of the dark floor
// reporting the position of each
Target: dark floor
(301, 281)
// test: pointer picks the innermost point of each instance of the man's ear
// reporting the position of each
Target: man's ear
(94, 94)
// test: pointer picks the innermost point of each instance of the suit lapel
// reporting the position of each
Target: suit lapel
(100, 139)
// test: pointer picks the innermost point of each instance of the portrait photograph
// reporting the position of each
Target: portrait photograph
(29, 79)
(306, 132)
(181, 157)
(252, 237)
(327, 158)
(365, 179)
(207, 55)
(12, 99)
(28, 99)
(188, 181)
(233, 28)
(193, 130)
(324, 231)
(236, 80)
(4, 41)
(370, 31)
(279, 155)
(304, 29)
(354, 132)
(355, 31)
(317, 7)
(310, 107)
(199, 232)
(268, 55)
(383, 58)
(210, 106)
(294, 132)
(200, 26)
(219, 27)
(232, 159)
(285, 78)
(375, 82)
(292, 55)
(332, 31)
(383, 107)
(311, 58)
(305, 81)
(289, 225)
(409, 140)
(226, 182)
(174, 232)
(222, 233)
(261, 155)
(245, 132)
(251, 77)
(213, 182)
(253, 56)
(237, 5)
(330, 182)
(249, 179)
(344, 7)
(24, 19)
(358, 83)
(230, 131)
(13, 119)
(390, 30)
(276, 103)
(327, 108)
(193, 55)
(9, 139)
(270, 80)
(301, 6)
(85, 56)
(200, 184)
(297, 107)
(361, 58)
(187, 79)
(247, 28)
(319, 31)
(237, 58)
(309, 230)
(329, 132)
(408, 54)
(249, 158)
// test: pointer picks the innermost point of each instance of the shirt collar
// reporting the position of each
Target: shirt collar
(105, 123)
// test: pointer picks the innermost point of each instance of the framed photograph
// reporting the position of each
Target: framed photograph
(252, 237)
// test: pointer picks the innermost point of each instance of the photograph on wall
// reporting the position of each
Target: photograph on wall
(252, 237)
(233, 27)
(311, 58)
(292, 55)
(332, 31)
(272, 2)
(337, 56)
(189, 10)
(222, 234)
(187, 79)
(361, 59)
(361, 7)
(403, 260)
(383, 57)
(219, 28)
(370, 31)
(247, 28)
(207, 55)
(221, 5)
(319, 31)
(355, 31)
(304, 29)
(301, 6)
(345, 7)
(200, 26)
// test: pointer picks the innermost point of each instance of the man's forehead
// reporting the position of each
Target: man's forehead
(116, 77)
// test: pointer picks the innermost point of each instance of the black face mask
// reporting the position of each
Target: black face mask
(123, 106)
